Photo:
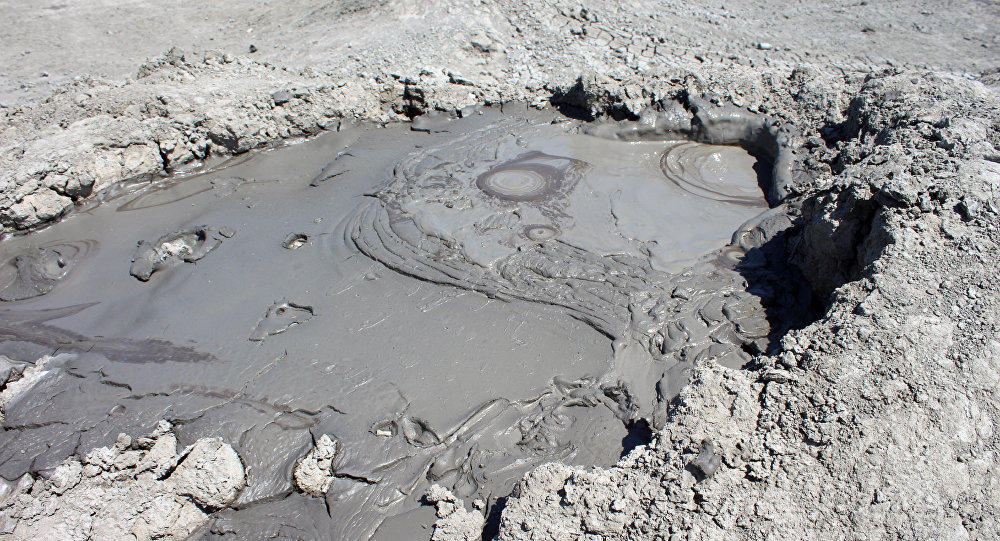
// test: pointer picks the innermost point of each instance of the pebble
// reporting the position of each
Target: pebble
(281, 97)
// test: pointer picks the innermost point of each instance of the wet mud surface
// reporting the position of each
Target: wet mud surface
(452, 304)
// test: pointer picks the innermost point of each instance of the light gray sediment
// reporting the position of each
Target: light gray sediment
(146, 489)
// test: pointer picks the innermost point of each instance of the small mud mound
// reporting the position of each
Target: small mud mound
(36, 271)
(532, 176)
(539, 233)
(185, 246)
(279, 317)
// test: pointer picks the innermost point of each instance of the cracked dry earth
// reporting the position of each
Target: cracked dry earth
(522, 315)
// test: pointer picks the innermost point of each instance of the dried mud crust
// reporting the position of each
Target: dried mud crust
(145, 489)
(878, 420)
(389, 62)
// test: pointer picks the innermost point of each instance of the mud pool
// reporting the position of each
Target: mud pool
(453, 303)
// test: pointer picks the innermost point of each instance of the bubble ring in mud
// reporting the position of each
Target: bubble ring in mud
(539, 232)
(520, 181)
(686, 164)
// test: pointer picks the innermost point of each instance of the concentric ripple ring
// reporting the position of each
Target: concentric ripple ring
(539, 232)
(514, 181)
(705, 171)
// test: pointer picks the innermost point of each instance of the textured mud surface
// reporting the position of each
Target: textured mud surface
(600, 270)
(877, 420)
(640, 239)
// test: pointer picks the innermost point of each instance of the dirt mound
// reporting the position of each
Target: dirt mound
(134, 490)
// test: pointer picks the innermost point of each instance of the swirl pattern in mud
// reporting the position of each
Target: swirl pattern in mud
(598, 261)
(712, 172)
(532, 176)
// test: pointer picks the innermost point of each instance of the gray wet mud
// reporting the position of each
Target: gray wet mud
(452, 304)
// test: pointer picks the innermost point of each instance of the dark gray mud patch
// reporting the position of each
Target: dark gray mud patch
(494, 511)
(639, 433)
(707, 462)
(184, 246)
(28, 334)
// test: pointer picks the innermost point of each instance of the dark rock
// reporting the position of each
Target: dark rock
(707, 462)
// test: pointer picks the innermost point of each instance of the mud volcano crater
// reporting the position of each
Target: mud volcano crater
(397, 308)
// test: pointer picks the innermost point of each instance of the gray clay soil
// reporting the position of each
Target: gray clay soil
(511, 270)
(452, 304)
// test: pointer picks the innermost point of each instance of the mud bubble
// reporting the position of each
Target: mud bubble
(532, 176)
(540, 233)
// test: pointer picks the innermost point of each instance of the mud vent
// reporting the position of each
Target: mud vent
(666, 233)
(452, 304)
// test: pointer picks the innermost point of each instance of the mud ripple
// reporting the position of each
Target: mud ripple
(705, 171)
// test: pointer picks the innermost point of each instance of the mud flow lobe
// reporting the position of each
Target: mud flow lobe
(642, 235)
(633, 237)
(503, 290)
